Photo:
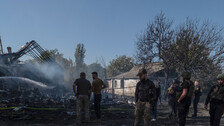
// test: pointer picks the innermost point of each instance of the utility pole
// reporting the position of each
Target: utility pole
(1, 49)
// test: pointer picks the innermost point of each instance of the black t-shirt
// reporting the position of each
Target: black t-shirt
(83, 86)
(186, 85)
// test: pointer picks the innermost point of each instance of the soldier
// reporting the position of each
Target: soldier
(197, 94)
(144, 95)
(97, 86)
(173, 98)
(154, 106)
(216, 99)
(184, 101)
(83, 95)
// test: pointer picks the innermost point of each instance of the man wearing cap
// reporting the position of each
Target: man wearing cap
(216, 99)
(145, 94)
(82, 90)
(184, 100)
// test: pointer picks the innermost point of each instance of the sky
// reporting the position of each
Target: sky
(107, 28)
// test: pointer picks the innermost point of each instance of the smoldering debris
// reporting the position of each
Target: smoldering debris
(39, 107)
(43, 72)
(38, 92)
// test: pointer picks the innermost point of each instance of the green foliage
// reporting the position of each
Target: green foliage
(119, 65)
(96, 67)
(80, 55)
(192, 46)
(195, 49)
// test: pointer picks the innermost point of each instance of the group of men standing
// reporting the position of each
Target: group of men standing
(175, 89)
(180, 97)
(83, 90)
(146, 97)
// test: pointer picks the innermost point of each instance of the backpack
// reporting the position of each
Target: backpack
(218, 93)
(178, 91)
(190, 92)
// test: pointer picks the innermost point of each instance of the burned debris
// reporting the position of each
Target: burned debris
(24, 85)
(27, 93)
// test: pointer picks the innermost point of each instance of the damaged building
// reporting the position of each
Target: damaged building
(22, 76)
(125, 83)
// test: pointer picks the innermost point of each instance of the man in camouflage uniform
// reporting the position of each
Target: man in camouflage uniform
(184, 100)
(216, 99)
(144, 95)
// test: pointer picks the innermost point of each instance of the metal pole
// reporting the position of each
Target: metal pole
(1, 46)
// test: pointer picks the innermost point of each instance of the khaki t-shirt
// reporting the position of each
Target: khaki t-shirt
(97, 86)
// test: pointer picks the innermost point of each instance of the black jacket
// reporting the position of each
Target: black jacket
(145, 91)
(216, 94)
(158, 92)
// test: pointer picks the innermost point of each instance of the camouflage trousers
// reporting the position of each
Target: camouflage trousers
(82, 103)
(143, 109)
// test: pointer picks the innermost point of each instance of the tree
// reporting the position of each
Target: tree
(156, 37)
(198, 48)
(119, 65)
(193, 46)
(80, 65)
(153, 42)
(96, 67)
(79, 55)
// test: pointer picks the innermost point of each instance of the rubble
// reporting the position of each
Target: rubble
(29, 104)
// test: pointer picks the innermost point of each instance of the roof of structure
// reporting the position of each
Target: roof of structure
(151, 68)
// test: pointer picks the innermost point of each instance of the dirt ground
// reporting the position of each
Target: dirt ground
(111, 117)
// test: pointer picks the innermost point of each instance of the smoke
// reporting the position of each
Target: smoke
(53, 72)
(49, 73)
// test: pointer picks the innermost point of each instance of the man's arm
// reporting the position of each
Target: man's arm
(185, 86)
(74, 88)
(183, 95)
(90, 89)
(208, 98)
(170, 91)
